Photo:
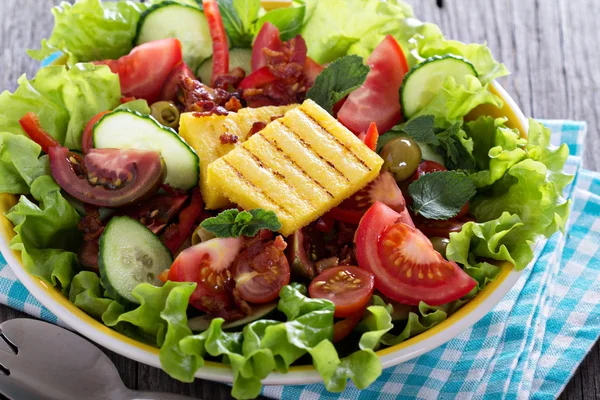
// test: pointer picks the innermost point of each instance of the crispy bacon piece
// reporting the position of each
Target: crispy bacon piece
(202, 100)
(228, 138)
(290, 84)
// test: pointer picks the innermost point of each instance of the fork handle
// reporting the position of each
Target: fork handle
(138, 395)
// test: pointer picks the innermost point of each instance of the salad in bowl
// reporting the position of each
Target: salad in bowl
(265, 186)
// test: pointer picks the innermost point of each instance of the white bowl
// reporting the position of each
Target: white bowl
(464, 318)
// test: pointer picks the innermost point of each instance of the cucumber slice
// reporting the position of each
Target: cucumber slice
(425, 80)
(171, 19)
(130, 254)
(124, 129)
(201, 323)
(237, 58)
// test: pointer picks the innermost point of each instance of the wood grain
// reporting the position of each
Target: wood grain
(552, 48)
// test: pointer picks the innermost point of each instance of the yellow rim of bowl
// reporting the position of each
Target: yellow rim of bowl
(7, 201)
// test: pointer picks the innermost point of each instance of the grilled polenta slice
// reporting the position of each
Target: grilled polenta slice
(299, 166)
(204, 134)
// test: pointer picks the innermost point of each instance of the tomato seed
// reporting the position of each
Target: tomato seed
(154, 213)
(94, 180)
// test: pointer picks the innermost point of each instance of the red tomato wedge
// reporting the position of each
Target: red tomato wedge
(267, 38)
(378, 99)
(348, 288)
(107, 177)
(261, 271)
(33, 128)
(219, 39)
(312, 69)
(143, 72)
(171, 86)
(209, 265)
(87, 140)
(406, 267)
(258, 78)
(383, 188)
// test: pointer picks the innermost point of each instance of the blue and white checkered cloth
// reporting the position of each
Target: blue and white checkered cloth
(528, 346)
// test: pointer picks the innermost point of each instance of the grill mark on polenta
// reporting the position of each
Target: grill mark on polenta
(322, 128)
(306, 174)
(278, 175)
(312, 150)
(242, 177)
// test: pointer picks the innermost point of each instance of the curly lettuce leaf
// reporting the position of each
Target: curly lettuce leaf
(479, 55)
(454, 101)
(267, 345)
(46, 233)
(19, 163)
(87, 293)
(496, 148)
(63, 99)
(91, 30)
(335, 25)
(517, 209)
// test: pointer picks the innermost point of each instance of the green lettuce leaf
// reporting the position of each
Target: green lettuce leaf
(496, 148)
(454, 101)
(426, 318)
(19, 163)
(479, 55)
(91, 30)
(335, 25)
(86, 292)
(63, 99)
(518, 208)
(46, 234)
(267, 345)
(139, 105)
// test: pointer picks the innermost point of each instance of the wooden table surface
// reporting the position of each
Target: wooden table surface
(552, 48)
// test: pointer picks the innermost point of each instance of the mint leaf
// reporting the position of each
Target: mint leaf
(454, 152)
(441, 195)
(235, 223)
(421, 128)
(337, 81)
(238, 19)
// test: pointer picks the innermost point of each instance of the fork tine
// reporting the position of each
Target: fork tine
(7, 345)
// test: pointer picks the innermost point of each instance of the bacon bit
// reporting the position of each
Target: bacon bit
(256, 127)
(273, 118)
(279, 243)
(228, 138)
(173, 191)
(234, 104)
(291, 84)
(325, 263)
(91, 225)
(230, 80)
(241, 303)
(205, 101)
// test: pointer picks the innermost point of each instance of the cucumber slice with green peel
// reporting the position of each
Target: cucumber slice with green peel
(130, 254)
(237, 58)
(124, 129)
(171, 19)
(426, 79)
(201, 323)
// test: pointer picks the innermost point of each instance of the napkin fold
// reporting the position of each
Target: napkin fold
(529, 345)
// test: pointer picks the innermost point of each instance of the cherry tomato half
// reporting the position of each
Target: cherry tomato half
(349, 288)
(261, 271)
(209, 265)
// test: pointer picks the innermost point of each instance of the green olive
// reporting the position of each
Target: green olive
(440, 244)
(401, 156)
(166, 113)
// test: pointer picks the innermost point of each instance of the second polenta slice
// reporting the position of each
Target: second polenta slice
(299, 166)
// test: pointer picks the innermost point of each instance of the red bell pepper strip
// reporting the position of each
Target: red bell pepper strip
(87, 139)
(372, 136)
(219, 39)
(257, 79)
(33, 128)
(175, 235)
